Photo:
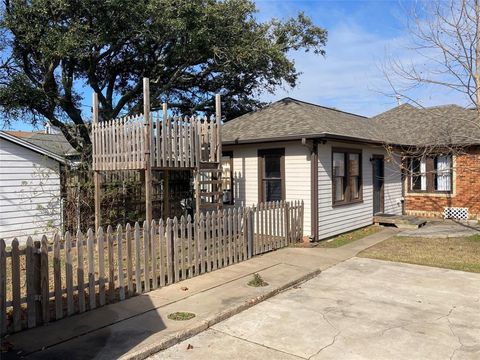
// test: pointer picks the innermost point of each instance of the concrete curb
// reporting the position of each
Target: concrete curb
(209, 322)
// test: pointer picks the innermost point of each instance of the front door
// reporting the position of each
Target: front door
(378, 184)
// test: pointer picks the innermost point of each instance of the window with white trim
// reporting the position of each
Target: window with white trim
(443, 173)
(431, 174)
(418, 170)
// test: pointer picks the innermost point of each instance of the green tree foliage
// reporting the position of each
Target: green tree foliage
(190, 49)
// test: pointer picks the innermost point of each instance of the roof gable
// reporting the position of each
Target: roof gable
(55, 143)
(31, 146)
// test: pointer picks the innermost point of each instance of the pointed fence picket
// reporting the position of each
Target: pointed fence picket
(119, 144)
(76, 273)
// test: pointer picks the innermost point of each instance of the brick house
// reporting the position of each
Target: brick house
(443, 173)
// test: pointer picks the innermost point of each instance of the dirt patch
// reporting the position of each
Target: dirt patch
(181, 316)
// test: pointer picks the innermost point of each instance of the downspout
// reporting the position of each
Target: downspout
(313, 147)
(403, 181)
(314, 184)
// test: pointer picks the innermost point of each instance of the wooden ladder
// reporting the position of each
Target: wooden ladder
(208, 187)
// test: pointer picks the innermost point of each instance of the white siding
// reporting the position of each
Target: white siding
(29, 192)
(340, 219)
(298, 180)
(297, 175)
(393, 187)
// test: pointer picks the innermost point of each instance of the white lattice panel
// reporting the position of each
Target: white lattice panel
(455, 213)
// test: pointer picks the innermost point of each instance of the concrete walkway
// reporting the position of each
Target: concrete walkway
(444, 229)
(139, 327)
(358, 309)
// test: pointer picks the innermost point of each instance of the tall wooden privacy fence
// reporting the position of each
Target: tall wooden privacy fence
(49, 280)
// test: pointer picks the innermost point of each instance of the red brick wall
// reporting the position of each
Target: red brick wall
(467, 190)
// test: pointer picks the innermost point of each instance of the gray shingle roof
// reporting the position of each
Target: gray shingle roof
(55, 143)
(293, 118)
(405, 124)
(447, 125)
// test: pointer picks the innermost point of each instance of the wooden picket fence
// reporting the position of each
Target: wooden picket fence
(47, 281)
(276, 224)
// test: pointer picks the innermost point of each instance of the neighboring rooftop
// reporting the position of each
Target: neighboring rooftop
(55, 143)
(447, 124)
(290, 118)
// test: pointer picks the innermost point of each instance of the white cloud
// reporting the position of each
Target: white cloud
(349, 77)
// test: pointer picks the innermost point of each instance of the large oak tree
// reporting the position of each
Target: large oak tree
(190, 49)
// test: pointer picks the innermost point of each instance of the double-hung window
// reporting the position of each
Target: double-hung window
(346, 176)
(271, 171)
(418, 168)
(443, 173)
(431, 174)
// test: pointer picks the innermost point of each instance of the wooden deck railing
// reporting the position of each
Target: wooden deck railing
(49, 280)
(174, 142)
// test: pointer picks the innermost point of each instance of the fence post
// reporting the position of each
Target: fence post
(249, 231)
(44, 281)
(3, 288)
(37, 282)
(30, 269)
(287, 223)
(301, 220)
(16, 316)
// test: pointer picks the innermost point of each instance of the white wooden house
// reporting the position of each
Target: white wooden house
(330, 159)
(30, 186)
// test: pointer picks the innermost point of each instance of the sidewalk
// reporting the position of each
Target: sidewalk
(139, 327)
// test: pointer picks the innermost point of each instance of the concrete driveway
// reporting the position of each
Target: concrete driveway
(358, 309)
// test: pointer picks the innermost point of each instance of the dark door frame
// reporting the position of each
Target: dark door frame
(382, 188)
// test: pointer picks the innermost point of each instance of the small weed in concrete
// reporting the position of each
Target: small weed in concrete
(181, 315)
(257, 281)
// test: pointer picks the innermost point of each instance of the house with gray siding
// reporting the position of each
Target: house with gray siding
(30, 183)
(332, 160)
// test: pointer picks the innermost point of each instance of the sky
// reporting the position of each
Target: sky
(362, 35)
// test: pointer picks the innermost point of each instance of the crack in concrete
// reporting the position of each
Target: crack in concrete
(448, 314)
(326, 346)
(256, 343)
(396, 327)
(324, 316)
(458, 339)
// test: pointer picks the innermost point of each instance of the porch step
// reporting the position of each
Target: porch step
(400, 221)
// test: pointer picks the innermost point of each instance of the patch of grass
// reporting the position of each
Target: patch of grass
(257, 281)
(181, 316)
(451, 253)
(350, 237)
